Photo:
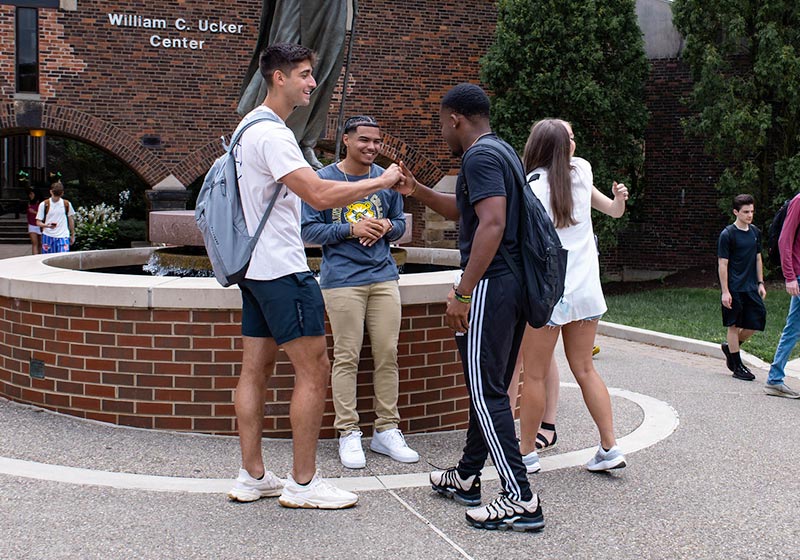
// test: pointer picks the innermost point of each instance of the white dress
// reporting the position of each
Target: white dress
(583, 294)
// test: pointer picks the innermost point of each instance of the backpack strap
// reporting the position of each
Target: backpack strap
(229, 148)
(66, 207)
(510, 157)
(263, 221)
(237, 134)
(730, 228)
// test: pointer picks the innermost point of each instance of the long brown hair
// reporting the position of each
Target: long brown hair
(548, 146)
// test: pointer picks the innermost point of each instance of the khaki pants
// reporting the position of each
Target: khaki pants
(377, 305)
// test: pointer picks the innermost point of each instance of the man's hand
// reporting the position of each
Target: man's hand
(727, 300)
(762, 291)
(368, 229)
(408, 183)
(391, 176)
(457, 313)
(792, 289)
(377, 227)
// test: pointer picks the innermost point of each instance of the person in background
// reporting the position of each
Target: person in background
(56, 217)
(789, 246)
(741, 279)
(34, 231)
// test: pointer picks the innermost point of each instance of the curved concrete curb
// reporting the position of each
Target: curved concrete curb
(655, 338)
(660, 421)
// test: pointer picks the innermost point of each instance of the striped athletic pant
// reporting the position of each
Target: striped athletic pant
(489, 352)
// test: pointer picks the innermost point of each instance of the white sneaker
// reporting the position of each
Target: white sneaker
(606, 460)
(249, 489)
(350, 452)
(317, 494)
(392, 443)
(531, 462)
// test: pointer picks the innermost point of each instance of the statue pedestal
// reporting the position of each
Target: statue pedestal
(161, 200)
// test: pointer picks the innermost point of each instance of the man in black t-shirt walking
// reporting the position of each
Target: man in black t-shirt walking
(484, 308)
(741, 278)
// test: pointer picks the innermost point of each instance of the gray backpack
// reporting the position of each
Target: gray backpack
(220, 217)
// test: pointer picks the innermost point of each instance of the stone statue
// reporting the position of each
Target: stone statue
(320, 25)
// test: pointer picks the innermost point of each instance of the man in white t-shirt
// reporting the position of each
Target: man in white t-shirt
(282, 305)
(55, 217)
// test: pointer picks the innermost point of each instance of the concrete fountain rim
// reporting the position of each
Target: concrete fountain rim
(65, 279)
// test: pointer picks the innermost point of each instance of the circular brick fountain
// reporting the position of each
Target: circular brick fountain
(164, 352)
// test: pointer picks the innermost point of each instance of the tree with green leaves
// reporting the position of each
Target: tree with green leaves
(745, 61)
(582, 61)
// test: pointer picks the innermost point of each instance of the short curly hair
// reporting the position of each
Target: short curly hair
(468, 100)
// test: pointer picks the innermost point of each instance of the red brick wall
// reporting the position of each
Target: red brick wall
(176, 369)
(679, 219)
(122, 88)
(106, 85)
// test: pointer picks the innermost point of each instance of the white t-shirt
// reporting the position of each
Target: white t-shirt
(56, 215)
(583, 294)
(266, 153)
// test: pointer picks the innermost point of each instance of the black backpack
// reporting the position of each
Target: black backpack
(773, 251)
(544, 260)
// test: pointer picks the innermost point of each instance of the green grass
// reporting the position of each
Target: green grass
(695, 313)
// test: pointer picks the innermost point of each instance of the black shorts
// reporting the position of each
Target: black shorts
(747, 311)
(284, 309)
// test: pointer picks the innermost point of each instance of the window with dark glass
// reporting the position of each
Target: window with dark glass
(27, 50)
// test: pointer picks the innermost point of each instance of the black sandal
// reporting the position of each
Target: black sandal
(542, 443)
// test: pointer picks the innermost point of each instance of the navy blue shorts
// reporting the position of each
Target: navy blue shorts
(284, 309)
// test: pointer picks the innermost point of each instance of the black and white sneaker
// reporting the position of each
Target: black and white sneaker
(743, 372)
(505, 513)
(448, 483)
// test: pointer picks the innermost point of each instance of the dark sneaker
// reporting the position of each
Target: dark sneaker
(743, 373)
(449, 484)
(728, 358)
(505, 513)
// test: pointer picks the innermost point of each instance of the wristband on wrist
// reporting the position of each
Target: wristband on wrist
(462, 298)
(416, 184)
(351, 230)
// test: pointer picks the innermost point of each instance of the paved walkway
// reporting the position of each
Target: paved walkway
(703, 482)
(710, 475)
(9, 251)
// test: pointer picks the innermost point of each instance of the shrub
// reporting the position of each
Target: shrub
(96, 227)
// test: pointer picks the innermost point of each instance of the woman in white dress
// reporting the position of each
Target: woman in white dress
(564, 185)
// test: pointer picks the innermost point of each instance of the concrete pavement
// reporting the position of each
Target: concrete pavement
(707, 481)
(710, 475)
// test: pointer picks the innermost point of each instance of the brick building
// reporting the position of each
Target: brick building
(156, 83)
